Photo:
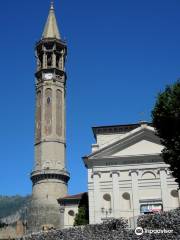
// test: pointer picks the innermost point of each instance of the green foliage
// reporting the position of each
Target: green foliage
(82, 217)
(166, 120)
(165, 220)
(111, 230)
(117, 229)
(10, 205)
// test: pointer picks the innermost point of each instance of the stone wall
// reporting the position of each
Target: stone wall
(7, 232)
(12, 232)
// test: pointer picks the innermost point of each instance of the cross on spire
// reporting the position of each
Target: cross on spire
(52, 4)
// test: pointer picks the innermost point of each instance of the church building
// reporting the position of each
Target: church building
(126, 174)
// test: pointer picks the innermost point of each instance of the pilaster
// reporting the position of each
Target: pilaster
(164, 189)
(135, 193)
(62, 217)
(116, 193)
(97, 197)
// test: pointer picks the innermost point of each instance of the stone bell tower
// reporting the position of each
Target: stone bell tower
(49, 176)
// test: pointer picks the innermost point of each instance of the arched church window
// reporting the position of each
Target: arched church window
(48, 100)
(40, 60)
(57, 61)
(49, 60)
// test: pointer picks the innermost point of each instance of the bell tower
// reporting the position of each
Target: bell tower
(49, 176)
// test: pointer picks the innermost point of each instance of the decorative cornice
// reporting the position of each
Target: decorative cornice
(116, 128)
(50, 140)
(46, 174)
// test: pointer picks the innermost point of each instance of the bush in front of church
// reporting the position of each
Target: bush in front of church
(159, 221)
(117, 229)
(114, 229)
(110, 230)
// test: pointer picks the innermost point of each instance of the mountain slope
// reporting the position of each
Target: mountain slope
(13, 208)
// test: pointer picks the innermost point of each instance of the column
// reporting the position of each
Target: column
(53, 59)
(116, 197)
(63, 54)
(164, 189)
(44, 60)
(135, 195)
(97, 197)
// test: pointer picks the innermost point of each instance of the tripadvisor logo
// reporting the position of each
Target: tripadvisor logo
(139, 231)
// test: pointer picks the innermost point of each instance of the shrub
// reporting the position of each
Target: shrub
(117, 229)
(166, 220)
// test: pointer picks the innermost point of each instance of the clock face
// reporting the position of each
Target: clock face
(48, 76)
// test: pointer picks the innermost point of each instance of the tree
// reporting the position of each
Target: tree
(166, 120)
(82, 217)
(2, 224)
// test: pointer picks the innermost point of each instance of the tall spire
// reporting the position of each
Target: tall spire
(51, 28)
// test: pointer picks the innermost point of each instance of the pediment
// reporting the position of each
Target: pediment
(143, 147)
(142, 141)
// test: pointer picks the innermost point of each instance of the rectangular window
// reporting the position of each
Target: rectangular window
(149, 208)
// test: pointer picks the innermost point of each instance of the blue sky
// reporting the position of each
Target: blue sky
(120, 55)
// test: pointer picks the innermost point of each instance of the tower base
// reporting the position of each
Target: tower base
(44, 209)
(42, 215)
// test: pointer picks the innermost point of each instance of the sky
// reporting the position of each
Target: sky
(120, 55)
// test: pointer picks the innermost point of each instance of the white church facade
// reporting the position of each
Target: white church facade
(126, 174)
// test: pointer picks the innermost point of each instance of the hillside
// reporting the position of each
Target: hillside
(13, 207)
